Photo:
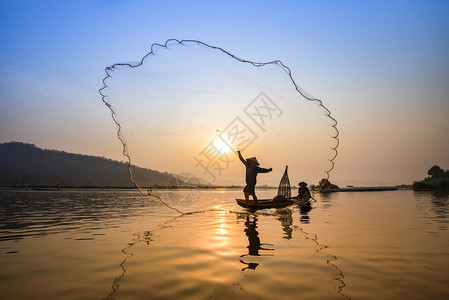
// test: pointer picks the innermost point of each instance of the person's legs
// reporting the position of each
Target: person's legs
(245, 191)
(250, 191)
(254, 197)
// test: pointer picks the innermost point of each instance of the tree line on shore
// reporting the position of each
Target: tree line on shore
(25, 165)
(438, 179)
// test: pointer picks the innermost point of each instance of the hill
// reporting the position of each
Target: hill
(27, 165)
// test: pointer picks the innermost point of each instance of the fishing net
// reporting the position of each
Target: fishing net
(186, 108)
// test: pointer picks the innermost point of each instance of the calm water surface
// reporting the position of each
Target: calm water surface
(120, 245)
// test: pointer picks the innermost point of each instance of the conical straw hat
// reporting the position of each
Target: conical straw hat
(254, 160)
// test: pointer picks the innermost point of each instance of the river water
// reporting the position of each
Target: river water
(121, 245)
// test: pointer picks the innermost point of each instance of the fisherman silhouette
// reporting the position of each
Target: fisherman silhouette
(252, 169)
(303, 190)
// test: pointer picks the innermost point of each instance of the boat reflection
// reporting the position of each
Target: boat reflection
(285, 215)
(286, 218)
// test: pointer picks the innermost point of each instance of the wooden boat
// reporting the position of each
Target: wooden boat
(269, 203)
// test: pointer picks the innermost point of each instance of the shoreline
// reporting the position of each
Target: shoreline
(158, 188)
(367, 189)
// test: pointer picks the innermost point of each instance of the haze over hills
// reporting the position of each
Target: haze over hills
(27, 165)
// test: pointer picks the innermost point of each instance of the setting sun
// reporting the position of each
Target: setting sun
(222, 147)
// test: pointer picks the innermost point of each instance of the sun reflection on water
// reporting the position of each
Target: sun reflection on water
(221, 232)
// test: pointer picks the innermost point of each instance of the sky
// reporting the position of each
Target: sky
(380, 67)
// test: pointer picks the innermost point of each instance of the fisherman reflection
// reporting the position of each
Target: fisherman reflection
(253, 237)
(254, 242)
(251, 266)
(304, 214)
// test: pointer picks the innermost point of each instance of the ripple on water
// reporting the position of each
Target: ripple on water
(213, 260)
(73, 245)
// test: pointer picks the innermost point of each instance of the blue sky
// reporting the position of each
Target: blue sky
(382, 67)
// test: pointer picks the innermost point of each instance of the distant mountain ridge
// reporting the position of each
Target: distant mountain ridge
(24, 164)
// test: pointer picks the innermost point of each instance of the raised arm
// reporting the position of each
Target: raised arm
(241, 158)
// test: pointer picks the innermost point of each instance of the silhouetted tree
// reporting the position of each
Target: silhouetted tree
(438, 180)
(326, 184)
(435, 172)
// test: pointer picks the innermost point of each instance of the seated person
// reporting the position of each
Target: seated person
(303, 190)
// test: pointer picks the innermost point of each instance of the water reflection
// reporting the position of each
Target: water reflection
(330, 260)
(255, 249)
(203, 261)
(440, 207)
(253, 237)
(38, 213)
(286, 218)
(304, 213)
(285, 215)
(128, 254)
(251, 266)
(326, 200)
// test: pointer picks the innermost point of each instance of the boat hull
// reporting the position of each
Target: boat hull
(269, 203)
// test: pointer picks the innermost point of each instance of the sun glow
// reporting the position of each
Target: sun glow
(221, 146)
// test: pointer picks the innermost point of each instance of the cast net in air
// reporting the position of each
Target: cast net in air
(186, 107)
